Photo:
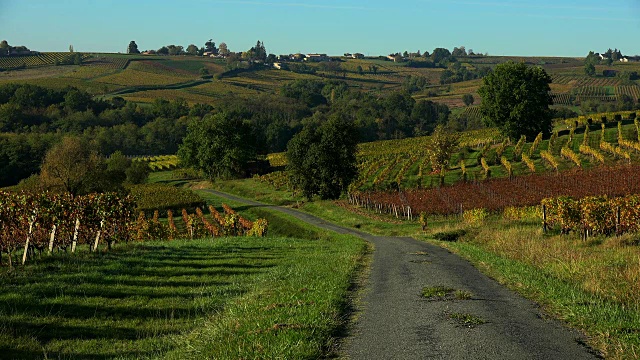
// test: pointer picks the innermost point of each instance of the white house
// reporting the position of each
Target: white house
(317, 57)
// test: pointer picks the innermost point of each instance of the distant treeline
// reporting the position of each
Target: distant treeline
(32, 118)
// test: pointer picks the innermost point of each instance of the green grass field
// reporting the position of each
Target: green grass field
(227, 298)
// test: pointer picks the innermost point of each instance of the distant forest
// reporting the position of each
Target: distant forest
(32, 118)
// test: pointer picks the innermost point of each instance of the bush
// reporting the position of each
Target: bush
(475, 216)
(451, 236)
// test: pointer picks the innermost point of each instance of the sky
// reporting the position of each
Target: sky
(373, 27)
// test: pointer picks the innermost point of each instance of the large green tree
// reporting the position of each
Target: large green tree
(219, 145)
(516, 98)
(322, 159)
(73, 166)
(133, 48)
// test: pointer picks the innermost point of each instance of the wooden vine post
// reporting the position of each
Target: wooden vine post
(544, 219)
(26, 243)
(52, 238)
(618, 227)
(75, 236)
(95, 244)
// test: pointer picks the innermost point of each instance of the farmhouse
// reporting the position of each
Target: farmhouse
(624, 59)
(317, 57)
(357, 56)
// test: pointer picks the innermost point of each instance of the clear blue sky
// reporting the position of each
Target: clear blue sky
(373, 27)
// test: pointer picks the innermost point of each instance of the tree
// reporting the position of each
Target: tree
(192, 50)
(163, 51)
(133, 48)
(137, 172)
(441, 145)
(117, 165)
(4, 47)
(258, 52)
(322, 159)
(210, 46)
(461, 51)
(589, 69)
(219, 145)
(223, 50)
(516, 98)
(71, 166)
(70, 48)
(467, 99)
(440, 55)
(175, 49)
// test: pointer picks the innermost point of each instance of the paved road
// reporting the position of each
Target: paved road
(397, 323)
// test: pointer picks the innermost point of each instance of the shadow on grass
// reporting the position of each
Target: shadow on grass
(123, 299)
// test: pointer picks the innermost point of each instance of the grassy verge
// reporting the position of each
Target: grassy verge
(338, 212)
(593, 286)
(274, 297)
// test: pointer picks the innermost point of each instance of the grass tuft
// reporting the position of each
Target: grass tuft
(463, 295)
(465, 319)
(437, 292)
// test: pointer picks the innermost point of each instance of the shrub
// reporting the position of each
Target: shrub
(475, 216)
(451, 236)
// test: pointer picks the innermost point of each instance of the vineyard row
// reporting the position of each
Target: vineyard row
(44, 221)
(498, 194)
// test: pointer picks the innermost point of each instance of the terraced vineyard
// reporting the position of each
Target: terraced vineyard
(632, 90)
(580, 80)
(42, 59)
(561, 99)
(159, 162)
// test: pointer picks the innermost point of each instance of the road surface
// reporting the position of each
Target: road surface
(396, 322)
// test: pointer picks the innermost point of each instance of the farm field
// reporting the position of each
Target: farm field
(105, 73)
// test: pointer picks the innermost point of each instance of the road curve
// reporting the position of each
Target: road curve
(396, 322)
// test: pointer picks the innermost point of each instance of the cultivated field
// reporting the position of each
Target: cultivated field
(105, 73)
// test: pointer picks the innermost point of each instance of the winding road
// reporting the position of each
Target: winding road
(485, 320)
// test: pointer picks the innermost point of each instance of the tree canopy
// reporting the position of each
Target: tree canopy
(516, 98)
(133, 48)
(219, 145)
(322, 159)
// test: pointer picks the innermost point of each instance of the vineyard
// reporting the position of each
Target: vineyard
(42, 222)
(593, 215)
(578, 80)
(42, 59)
(562, 99)
(405, 164)
(633, 91)
(159, 162)
(498, 194)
